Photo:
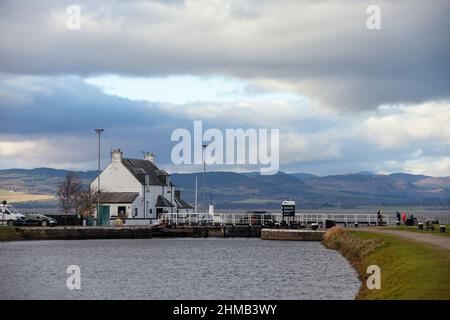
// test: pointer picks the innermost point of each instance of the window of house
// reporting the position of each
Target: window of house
(121, 211)
(135, 212)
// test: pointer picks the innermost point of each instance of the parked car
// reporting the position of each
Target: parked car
(10, 216)
(39, 220)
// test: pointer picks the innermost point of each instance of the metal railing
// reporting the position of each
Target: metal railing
(268, 218)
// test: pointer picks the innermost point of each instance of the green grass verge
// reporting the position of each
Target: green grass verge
(409, 269)
(415, 229)
(9, 234)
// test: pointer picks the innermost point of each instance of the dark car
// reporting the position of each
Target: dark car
(39, 220)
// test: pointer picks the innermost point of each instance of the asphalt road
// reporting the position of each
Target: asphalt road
(438, 241)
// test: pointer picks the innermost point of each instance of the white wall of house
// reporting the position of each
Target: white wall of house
(151, 196)
(150, 200)
(129, 208)
(117, 178)
(114, 208)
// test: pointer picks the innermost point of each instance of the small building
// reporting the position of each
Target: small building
(181, 205)
(120, 204)
(137, 190)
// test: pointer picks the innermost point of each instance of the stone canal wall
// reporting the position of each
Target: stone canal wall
(136, 232)
(144, 232)
(80, 233)
(297, 235)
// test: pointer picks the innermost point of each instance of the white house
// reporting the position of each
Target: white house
(137, 190)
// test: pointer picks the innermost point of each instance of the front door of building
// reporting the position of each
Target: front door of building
(103, 216)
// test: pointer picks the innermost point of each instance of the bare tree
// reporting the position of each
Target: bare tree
(87, 203)
(68, 192)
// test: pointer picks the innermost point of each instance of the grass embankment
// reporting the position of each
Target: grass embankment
(409, 269)
(9, 234)
(415, 229)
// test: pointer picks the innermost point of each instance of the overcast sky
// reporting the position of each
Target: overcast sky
(345, 98)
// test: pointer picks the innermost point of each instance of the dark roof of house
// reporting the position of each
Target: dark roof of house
(182, 204)
(140, 168)
(117, 197)
(163, 202)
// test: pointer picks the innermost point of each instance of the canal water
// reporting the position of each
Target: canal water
(236, 268)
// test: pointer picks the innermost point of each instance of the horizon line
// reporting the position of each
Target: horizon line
(368, 173)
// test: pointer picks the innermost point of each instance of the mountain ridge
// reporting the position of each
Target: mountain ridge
(251, 190)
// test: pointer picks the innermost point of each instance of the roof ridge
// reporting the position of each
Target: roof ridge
(140, 168)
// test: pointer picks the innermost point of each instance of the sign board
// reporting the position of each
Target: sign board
(288, 208)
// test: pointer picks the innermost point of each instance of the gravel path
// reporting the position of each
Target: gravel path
(439, 241)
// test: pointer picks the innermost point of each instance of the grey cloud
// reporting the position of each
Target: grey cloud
(322, 49)
(55, 117)
(58, 109)
(58, 104)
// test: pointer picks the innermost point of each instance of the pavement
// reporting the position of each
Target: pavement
(441, 242)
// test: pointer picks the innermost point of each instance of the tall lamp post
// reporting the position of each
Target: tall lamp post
(204, 171)
(99, 132)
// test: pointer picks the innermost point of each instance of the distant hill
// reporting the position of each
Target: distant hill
(433, 182)
(233, 190)
(49, 172)
(304, 176)
(38, 180)
(251, 190)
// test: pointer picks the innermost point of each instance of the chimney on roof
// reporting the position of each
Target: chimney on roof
(178, 194)
(149, 156)
(116, 155)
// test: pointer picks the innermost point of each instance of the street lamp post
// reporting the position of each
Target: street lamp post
(196, 202)
(204, 172)
(98, 131)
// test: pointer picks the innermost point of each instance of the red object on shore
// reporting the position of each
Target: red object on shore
(403, 216)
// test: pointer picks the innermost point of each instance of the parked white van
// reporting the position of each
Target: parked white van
(10, 216)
